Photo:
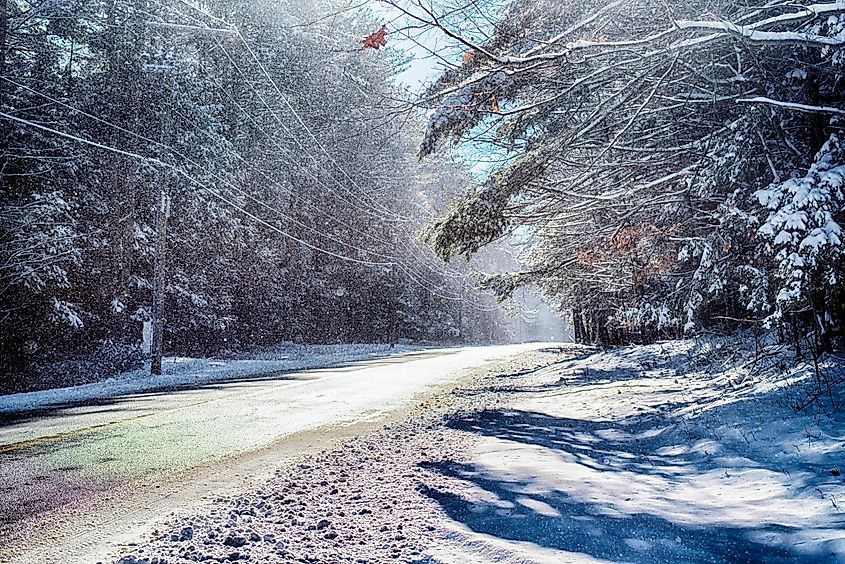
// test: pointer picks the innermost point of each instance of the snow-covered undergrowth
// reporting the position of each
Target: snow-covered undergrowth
(688, 451)
(181, 371)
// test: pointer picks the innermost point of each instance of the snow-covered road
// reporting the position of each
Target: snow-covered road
(66, 461)
(688, 451)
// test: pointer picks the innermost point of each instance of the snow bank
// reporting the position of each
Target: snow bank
(675, 452)
(182, 371)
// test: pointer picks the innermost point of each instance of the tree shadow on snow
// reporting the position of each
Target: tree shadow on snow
(660, 453)
(582, 527)
(640, 446)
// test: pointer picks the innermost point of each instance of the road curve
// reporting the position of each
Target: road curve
(86, 478)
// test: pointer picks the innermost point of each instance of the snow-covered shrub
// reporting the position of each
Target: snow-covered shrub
(114, 357)
(804, 233)
(658, 317)
(66, 313)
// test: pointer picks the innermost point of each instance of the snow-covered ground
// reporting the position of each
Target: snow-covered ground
(681, 452)
(182, 371)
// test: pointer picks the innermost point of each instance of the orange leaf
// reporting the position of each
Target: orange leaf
(376, 39)
(468, 57)
(494, 105)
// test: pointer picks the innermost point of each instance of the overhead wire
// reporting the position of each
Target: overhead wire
(392, 260)
(360, 207)
(409, 237)
(287, 103)
(178, 170)
(195, 163)
(183, 173)
(441, 270)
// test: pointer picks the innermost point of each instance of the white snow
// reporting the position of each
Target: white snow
(182, 371)
(675, 452)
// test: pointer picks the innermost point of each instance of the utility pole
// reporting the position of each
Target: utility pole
(160, 265)
(163, 206)
(3, 25)
(461, 336)
(159, 269)
(392, 310)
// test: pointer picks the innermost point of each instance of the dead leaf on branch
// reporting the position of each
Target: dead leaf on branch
(376, 40)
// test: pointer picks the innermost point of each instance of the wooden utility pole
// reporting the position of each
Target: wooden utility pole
(163, 207)
(160, 264)
(3, 25)
(393, 311)
(461, 335)
(159, 269)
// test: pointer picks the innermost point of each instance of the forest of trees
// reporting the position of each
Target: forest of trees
(664, 168)
(287, 173)
(672, 166)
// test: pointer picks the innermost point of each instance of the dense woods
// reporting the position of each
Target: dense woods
(291, 189)
(295, 281)
(673, 167)
(663, 168)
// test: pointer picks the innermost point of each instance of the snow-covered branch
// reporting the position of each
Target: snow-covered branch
(808, 108)
(752, 35)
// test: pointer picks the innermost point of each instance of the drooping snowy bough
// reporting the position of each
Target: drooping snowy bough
(671, 166)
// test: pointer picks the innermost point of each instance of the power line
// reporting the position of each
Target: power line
(272, 139)
(158, 162)
(383, 211)
(292, 109)
(370, 211)
(392, 260)
(194, 162)
(303, 124)
(317, 179)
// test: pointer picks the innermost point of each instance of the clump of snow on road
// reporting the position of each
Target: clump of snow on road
(182, 371)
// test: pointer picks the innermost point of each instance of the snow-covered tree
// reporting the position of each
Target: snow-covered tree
(289, 169)
(670, 167)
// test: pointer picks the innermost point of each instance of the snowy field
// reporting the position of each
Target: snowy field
(182, 371)
(684, 452)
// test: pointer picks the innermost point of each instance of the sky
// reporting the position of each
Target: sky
(424, 68)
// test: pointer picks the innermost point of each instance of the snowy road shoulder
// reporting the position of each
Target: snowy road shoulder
(666, 453)
(181, 371)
